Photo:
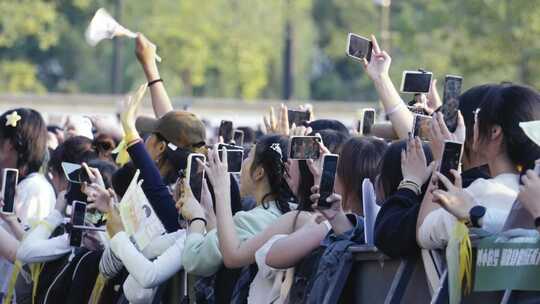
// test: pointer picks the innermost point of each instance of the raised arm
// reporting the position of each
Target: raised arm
(146, 54)
(377, 69)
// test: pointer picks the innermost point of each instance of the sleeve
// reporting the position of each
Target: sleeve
(161, 244)
(155, 190)
(37, 247)
(260, 257)
(434, 233)
(135, 293)
(147, 273)
(395, 226)
(201, 255)
(110, 265)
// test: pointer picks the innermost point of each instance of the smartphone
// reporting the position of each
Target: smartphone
(299, 118)
(195, 174)
(234, 159)
(9, 184)
(72, 172)
(226, 130)
(239, 137)
(450, 106)
(416, 82)
(359, 47)
(78, 213)
(367, 121)
(451, 159)
(326, 188)
(304, 147)
(422, 126)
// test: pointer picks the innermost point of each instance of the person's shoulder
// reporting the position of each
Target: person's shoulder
(35, 182)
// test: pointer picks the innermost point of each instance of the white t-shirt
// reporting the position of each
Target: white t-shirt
(34, 200)
(496, 194)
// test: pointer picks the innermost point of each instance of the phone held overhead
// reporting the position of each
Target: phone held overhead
(328, 177)
(358, 47)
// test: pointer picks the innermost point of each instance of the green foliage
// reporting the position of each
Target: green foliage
(234, 48)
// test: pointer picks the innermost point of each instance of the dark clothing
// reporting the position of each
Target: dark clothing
(158, 193)
(395, 227)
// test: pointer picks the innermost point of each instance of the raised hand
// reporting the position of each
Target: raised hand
(217, 170)
(132, 105)
(439, 133)
(315, 166)
(455, 199)
(187, 205)
(100, 198)
(94, 175)
(277, 124)
(433, 98)
(413, 163)
(145, 51)
(529, 193)
(208, 206)
(379, 65)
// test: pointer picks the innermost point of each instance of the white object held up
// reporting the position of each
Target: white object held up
(104, 26)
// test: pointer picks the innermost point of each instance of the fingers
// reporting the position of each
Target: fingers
(442, 126)
(314, 197)
(440, 197)
(284, 118)
(446, 182)
(91, 174)
(223, 160)
(333, 198)
(457, 178)
(315, 189)
(376, 48)
(266, 122)
(272, 119)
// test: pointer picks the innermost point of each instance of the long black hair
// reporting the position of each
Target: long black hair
(271, 155)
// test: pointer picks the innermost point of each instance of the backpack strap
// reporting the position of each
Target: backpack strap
(98, 288)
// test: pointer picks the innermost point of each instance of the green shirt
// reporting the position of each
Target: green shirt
(201, 254)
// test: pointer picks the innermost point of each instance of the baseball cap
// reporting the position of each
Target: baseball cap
(181, 128)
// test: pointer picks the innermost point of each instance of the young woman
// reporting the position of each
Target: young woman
(508, 151)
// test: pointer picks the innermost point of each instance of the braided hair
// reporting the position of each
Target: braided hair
(270, 153)
(28, 138)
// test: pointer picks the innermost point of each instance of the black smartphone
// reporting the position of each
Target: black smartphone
(416, 81)
(9, 184)
(450, 106)
(359, 47)
(234, 159)
(78, 213)
(450, 160)
(326, 188)
(226, 130)
(422, 126)
(238, 137)
(195, 174)
(304, 147)
(72, 172)
(367, 122)
(299, 118)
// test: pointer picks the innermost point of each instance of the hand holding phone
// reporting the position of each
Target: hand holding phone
(416, 81)
(78, 213)
(359, 47)
(450, 107)
(422, 126)
(195, 174)
(9, 186)
(235, 157)
(298, 118)
(304, 147)
(367, 121)
(326, 187)
(451, 160)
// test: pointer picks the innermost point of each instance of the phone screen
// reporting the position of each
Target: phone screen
(78, 214)
(368, 121)
(450, 107)
(450, 160)
(422, 126)
(299, 118)
(416, 82)
(328, 177)
(196, 175)
(359, 47)
(234, 160)
(8, 189)
(72, 172)
(238, 137)
(226, 130)
(305, 147)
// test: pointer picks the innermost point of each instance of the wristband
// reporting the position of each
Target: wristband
(395, 108)
(198, 219)
(150, 83)
(131, 136)
(408, 184)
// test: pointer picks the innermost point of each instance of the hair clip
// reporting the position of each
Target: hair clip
(12, 119)
(277, 148)
(172, 146)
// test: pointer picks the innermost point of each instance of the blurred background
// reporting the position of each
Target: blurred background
(251, 50)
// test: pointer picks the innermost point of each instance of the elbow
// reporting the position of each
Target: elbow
(232, 262)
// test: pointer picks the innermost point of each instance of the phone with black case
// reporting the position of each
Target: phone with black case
(298, 118)
(9, 184)
(195, 174)
(226, 130)
(328, 177)
(78, 213)
(451, 159)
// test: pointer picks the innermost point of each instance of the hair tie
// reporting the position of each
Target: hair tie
(12, 119)
(277, 149)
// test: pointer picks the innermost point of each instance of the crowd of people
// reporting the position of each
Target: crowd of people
(263, 235)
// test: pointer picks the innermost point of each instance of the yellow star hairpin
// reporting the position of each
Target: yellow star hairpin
(12, 119)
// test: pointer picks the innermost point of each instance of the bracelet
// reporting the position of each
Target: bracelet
(411, 186)
(395, 109)
(198, 219)
(150, 83)
(133, 142)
